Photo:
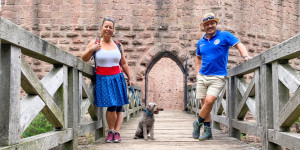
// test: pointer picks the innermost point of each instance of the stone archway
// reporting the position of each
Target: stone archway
(173, 57)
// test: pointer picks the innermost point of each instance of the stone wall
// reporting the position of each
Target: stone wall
(148, 27)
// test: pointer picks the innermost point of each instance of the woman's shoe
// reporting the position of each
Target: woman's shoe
(110, 137)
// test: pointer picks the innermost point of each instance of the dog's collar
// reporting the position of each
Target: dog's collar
(148, 113)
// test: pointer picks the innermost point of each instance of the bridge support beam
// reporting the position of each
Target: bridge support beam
(10, 81)
(267, 103)
(231, 97)
(73, 108)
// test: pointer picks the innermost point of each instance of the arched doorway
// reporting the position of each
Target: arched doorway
(180, 65)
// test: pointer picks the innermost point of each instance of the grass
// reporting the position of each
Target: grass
(39, 125)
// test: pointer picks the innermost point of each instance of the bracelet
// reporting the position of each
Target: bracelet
(245, 56)
(92, 49)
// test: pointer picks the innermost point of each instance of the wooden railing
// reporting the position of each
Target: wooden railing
(272, 96)
(62, 95)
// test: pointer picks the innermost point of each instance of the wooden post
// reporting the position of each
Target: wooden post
(281, 95)
(10, 81)
(73, 108)
(231, 98)
(61, 96)
(101, 131)
(266, 95)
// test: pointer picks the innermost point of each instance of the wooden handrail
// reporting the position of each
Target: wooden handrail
(266, 96)
(64, 95)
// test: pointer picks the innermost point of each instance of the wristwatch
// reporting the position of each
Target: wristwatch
(245, 56)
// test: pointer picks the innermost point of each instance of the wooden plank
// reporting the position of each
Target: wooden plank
(280, 96)
(232, 98)
(291, 111)
(53, 80)
(80, 82)
(246, 100)
(288, 49)
(218, 106)
(247, 66)
(73, 108)
(31, 105)
(247, 127)
(275, 92)
(224, 105)
(83, 129)
(285, 139)
(65, 95)
(266, 99)
(172, 131)
(85, 104)
(10, 81)
(221, 119)
(257, 99)
(90, 94)
(43, 141)
(38, 48)
(51, 110)
(289, 77)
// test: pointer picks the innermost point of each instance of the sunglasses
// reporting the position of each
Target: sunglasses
(208, 18)
(109, 19)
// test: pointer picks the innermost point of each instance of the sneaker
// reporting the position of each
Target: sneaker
(117, 137)
(110, 137)
(197, 127)
(206, 134)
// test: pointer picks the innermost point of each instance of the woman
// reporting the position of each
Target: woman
(110, 86)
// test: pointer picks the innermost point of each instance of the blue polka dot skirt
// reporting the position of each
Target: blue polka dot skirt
(110, 90)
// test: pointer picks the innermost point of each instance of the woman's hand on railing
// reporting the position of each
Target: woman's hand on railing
(130, 82)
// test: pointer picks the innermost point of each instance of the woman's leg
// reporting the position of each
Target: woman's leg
(119, 120)
(111, 117)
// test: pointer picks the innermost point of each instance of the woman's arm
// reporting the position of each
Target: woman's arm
(88, 53)
(125, 67)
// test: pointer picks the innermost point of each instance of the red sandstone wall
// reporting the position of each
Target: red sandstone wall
(148, 27)
(166, 85)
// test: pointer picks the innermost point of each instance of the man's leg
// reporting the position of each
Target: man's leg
(201, 90)
(204, 116)
(207, 107)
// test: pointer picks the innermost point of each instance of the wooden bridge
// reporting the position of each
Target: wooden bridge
(64, 97)
(173, 130)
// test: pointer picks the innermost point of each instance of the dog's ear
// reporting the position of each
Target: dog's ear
(148, 107)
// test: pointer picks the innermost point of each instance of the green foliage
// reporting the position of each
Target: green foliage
(298, 120)
(243, 136)
(39, 125)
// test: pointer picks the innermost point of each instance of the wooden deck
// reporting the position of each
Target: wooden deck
(173, 131)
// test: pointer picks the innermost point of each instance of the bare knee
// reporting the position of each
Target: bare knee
(209, 104)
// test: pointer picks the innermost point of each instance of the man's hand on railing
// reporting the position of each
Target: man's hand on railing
(246, 58)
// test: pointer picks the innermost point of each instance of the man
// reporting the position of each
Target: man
(213, 48)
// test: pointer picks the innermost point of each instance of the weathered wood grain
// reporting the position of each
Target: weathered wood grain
(10, 81)
(51, 110)
(173, 130)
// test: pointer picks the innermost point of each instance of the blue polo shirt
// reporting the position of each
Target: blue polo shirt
(214, 52)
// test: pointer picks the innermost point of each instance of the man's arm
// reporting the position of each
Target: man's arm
(197, 64)
(243, 51)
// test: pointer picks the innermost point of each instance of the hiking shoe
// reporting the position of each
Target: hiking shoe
(117, 137)
(110, 137)
(197, 126)
(206, 134)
